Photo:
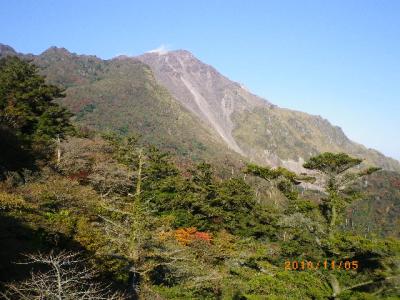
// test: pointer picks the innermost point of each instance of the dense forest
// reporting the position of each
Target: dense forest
(103, 215)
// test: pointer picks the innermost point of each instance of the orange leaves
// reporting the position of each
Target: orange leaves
(185, 236)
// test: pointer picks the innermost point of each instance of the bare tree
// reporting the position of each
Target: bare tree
(110, 177)
(92, 161)
(67, 278)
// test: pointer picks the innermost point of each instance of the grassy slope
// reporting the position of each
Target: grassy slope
(292, 134)
(379, 211)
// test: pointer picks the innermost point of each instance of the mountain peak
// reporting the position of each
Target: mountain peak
(182, 52)
(56, 50)
(62, 53)
(202, 90)
(6, 50)
(162, 52)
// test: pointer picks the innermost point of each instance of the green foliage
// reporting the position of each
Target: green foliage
(11, 202)
(380, 198)
(52, 123)
(272, 174)
(26, 101)
(29, 119)
(302, 285)
(207, 204)
(124, 202)
(331, 163)
(337, 180)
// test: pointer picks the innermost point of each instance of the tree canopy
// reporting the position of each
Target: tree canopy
(29, 117)
(331, 163)
(27, 101)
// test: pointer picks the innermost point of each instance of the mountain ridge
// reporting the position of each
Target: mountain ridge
(247, 124)
(186, 72)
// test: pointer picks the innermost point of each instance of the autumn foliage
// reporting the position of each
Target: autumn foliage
(185, 236)
(395, 183)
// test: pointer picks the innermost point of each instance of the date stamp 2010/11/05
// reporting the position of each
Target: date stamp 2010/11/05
(303, 265)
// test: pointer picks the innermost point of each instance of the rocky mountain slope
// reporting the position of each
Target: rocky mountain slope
(249, 124)
(204, 91)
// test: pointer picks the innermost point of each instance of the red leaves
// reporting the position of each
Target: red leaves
(205, 236)
(79, 176)
(185, 236)
(395, 183)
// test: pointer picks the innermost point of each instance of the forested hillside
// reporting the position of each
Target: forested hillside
(110, 215)
(104, 215)
(123, 95)
(126, 96)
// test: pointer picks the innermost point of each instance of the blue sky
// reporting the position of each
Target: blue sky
(339, 59)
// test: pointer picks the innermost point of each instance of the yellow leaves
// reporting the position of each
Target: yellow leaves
(88, 235)
(11, 201)
(224, 241)
(60, 192)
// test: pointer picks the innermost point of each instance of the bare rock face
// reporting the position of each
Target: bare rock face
(202, 90)
(248, 124)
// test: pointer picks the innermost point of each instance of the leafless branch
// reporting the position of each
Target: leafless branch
(67, 278)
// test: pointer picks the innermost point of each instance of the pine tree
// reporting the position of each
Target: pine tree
(335, 170)
(30, 120)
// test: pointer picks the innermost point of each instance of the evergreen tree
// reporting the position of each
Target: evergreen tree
(26, 102)
(29, 117)
(335, 170)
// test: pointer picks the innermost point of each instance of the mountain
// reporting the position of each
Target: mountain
(6, 50)
(144, 225)
(122, 95)
(202, 90)
(182, 104)
(249, 124)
